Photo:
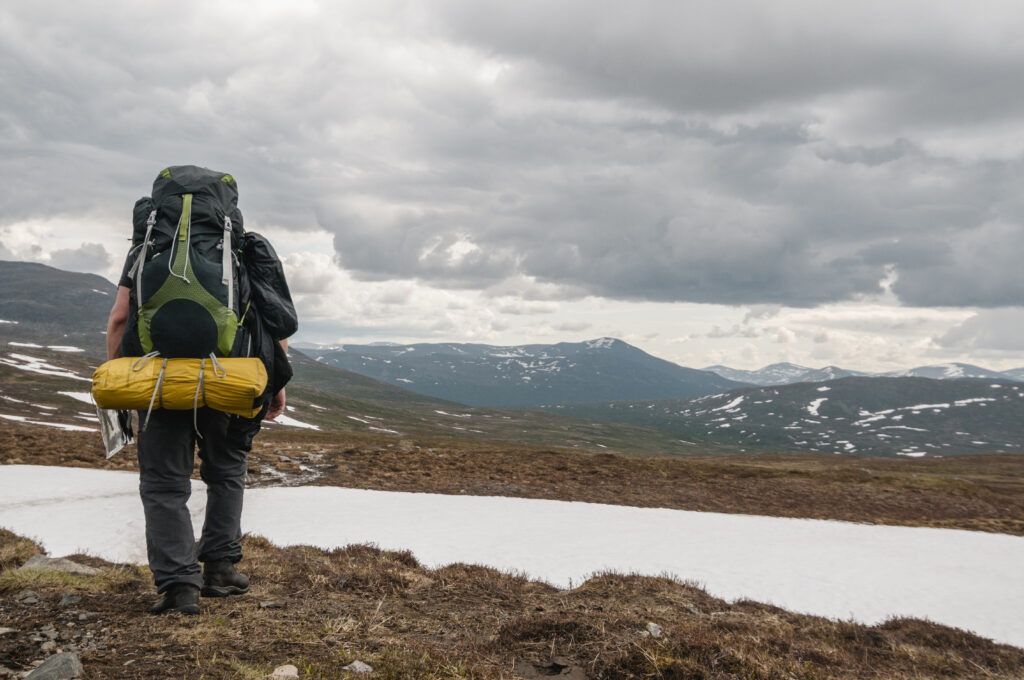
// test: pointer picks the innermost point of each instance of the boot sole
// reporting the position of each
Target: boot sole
(187, 610)
(222, 591)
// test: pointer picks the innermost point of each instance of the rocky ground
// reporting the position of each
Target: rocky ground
(321, 612)
(314, 613)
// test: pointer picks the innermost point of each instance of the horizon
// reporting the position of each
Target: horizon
(777, 183)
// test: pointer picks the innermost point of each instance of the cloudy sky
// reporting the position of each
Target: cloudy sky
(716, 182)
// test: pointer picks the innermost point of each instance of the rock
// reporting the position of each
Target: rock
(27, 597)
(559, 667)
(5, 631)
(692, 609)
(358, 667)
(59, 564)
(653, 629)
(58, 667)
(285, 672)
(70, 599)
(272, 604)
(48, 646)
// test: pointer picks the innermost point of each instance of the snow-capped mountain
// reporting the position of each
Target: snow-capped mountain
(782, 374)
(788, 374)
(604, 369)
(859, 415)
(1015, 374)
(952, 371)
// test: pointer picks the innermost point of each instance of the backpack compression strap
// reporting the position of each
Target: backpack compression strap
(140, 259)
(227, 275)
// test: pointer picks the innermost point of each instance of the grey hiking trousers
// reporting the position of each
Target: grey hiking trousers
(166, 455)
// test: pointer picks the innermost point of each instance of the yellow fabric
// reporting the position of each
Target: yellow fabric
(117, 385)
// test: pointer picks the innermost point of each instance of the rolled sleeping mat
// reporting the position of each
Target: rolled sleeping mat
(232, 385)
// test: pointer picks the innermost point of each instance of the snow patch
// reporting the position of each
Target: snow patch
(291, 422)
(84, 397)
(59, 426)
(35, 365)
(732, 404)
(813, 407)
(840, 570)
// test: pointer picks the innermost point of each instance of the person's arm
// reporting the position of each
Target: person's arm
(276, 407)
(116, 323)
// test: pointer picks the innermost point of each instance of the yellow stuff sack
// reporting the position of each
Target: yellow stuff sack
(229, 385)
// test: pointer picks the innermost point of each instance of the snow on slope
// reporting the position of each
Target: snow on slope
(841, 570)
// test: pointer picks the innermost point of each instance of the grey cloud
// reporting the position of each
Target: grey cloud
(982, 269)
(991, 329)
(868, 155)
(919, 63)
(651, 150)
(90, 257)
(733, 332)
(572, 326)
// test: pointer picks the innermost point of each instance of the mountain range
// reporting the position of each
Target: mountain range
(904, 416)
(602, 394)
(526, 375)
(788, 374)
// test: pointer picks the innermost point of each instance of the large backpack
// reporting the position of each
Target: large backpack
(186, 271)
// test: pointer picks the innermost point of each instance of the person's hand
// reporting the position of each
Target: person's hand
(276, 407)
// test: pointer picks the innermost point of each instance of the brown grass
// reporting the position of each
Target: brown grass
(465, 621)
(15, 550)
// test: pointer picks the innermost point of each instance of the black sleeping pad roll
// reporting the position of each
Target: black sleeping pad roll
(268, 288)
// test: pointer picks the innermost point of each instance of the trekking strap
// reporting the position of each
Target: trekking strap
(200, 387)
(140, 258)
(227, 277)
(219, 372)
(141, 362)
(183, 241)
(159, 389)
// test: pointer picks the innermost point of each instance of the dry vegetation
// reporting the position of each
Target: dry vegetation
(321, 610)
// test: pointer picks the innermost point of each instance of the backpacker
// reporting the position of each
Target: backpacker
(188, 288)
(186, 271)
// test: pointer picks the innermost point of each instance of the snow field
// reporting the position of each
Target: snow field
(841, 570)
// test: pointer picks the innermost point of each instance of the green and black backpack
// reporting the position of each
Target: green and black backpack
(186, 272)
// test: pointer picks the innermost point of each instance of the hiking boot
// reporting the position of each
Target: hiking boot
(220, 580)
(179, 598)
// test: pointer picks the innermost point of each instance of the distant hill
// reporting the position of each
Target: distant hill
(525, 375)
(858, 415)
(953, 371)
(782, 374)
(1015, 374)
(65, 308)
(47, 313)
(788, 374)
(50, 346)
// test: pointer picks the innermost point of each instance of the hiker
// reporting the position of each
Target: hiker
(187, 245)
